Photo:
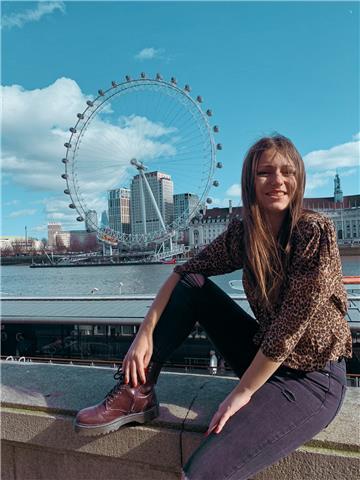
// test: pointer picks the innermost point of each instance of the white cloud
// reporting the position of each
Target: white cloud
(224, 203)
(234, 190)
(149, 53)
(319, 179)
(39, 229)
(22, 213)
(36, 125)
(31, 15)
(321, 165)
(340, 156)
(11, 203)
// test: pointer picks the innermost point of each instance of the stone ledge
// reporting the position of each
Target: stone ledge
(37, 432)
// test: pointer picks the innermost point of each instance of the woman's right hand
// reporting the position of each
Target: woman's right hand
(138, 358)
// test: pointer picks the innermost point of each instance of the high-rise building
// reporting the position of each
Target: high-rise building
(119, 210)
(104, 219)
(185, 204)
(162, 189)
(53, 229)
(91, 221)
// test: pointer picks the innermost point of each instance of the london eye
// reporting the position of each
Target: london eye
(151, 137)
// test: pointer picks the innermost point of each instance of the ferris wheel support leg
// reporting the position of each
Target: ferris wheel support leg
(155, 205)
(142, 200)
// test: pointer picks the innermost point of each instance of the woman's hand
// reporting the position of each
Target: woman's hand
(138, 358)
(232, 403)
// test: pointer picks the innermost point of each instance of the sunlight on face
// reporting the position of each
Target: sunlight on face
(275, 182)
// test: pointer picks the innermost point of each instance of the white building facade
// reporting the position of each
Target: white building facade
(162, 189)
(119, 210)
(345, 215)
(53, 229)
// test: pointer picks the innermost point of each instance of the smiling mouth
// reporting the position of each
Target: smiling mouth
(276, 194)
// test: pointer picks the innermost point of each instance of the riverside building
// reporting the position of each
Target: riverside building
(162, 189)
(345, 214)
(119, 209)
(184, 205)
(53, 230)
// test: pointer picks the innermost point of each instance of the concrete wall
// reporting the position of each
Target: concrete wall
(39, 403)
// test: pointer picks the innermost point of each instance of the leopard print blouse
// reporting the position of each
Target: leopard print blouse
(307, 326)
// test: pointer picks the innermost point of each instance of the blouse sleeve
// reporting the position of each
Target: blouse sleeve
(223, 255)
(313, 277)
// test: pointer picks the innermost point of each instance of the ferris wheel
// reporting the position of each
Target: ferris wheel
(150, 141)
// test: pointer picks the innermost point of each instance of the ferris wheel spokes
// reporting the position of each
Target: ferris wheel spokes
(142, 119)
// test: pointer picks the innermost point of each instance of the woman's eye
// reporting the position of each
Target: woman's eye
(263, 173)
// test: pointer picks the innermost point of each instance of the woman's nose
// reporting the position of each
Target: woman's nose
(277, 179)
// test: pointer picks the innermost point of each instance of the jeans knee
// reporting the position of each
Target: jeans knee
(193, 280)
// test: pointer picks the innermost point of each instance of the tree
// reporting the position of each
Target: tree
(6, 251)
(17, 246)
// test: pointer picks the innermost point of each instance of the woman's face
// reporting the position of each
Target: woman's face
(275, 182)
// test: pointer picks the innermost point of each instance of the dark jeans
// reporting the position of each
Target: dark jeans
(288, 410)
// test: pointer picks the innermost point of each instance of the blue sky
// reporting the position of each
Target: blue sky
(291, 67)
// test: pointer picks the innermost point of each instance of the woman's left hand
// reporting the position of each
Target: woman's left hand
(232, 403)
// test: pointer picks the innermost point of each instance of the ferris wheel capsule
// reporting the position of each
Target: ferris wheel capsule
(71, 205)
(67, 191)
(219, 146)
(67, 145)
(216, 183)
(80, 116)
(215, 128)
(65, 176)
(65, 160)
(173, 80)
(187, 88)
(101, 93)
(80, 219)
(90, 103)
(209, 200)
(209, 113)
(72, 130)
(158, 76)
(199, 99)
(128, 78)
(113, 84)
(143, 75)
(219, 165)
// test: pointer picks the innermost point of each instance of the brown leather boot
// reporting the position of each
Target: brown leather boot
(123, 404)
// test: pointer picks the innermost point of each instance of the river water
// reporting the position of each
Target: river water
(21, 280)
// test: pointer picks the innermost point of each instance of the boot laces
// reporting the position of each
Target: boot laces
(119, 376)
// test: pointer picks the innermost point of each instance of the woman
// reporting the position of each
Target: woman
(289, 359)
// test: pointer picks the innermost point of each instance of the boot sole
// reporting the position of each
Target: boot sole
(142, 417)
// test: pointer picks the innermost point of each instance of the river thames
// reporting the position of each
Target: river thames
(81, 281)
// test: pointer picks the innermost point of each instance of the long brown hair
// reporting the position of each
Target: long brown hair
(267, 257)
